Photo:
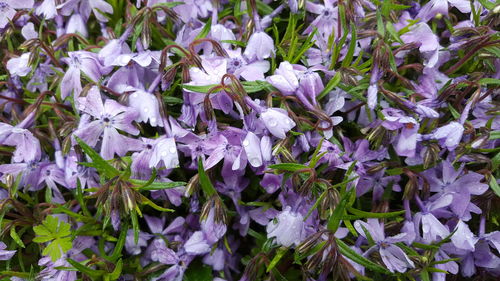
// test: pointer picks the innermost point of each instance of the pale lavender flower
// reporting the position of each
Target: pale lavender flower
(8, 9)
(251, 144)
(432, 228)
(260, 46)
(239, 66)
(326, 21)
(27, 145)
(434, 7)
(428, 42)
(5, 254)
(85, 7)
(284, 79)
(165, 151)
(76, 24)
(147, 105)
(108, 119)
(28, 31)
(288, 229)
(277, 121)
(463, 238)
(393, 257)
(449, 135)
(47, 9)
(407, 140)
(79, 61)
(19, 66)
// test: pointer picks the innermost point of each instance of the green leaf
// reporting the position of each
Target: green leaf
(494, 135)
(117, 271)
(15, 237)
(332, 83)
(58, 232)
(489, 81)
(92, 273)
(99, 163)
(117, 252)
(206, 184)
(57, 247)
(352, 46)
(289, 167)
(487, 4)
(334, 220)
(235, 42)
(135, 225)
(204, 32)
(279, 254)
(146, 201)
(494, 185)
(364, 214)
(357, 258)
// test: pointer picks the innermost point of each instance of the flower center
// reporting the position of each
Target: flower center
(234, 64)
(106, 121)
(3, 6)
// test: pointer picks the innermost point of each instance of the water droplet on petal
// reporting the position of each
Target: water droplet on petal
(246, 143)
(273, 123)
(163, 153)
(172, 150)
(255, 162)
(146, 110)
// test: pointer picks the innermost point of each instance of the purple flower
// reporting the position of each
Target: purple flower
(407, 140)
(392, 256)
(277, 121)
(239, 66)
(108, 119)
(8, 9)
(80, 61)
(288, 229)
(5, 254)
(434, 7)
(252, 147)
(463, 238)
(27, 146)
(449, 136)
(428, 42)
(260, 46)
(147, 106)
(85, 7)
(432, 228)
(165, 151)
(19, 66)
(284, 79)
(47, 9)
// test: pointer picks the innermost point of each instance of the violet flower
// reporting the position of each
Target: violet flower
(393, 257)
(8, 9)
(108, 119)
(5, 254)
(288, 228)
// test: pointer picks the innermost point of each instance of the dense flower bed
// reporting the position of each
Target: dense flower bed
(249, 140)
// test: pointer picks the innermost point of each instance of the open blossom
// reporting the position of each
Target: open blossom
(434, 7)
(393, 256)
(277, 122)
(80, 61)
(288, 229)
(8, 9)
(108, 119)
(5, 254)
(260, 46)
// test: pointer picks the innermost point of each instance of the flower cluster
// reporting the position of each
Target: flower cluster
(249, 140)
